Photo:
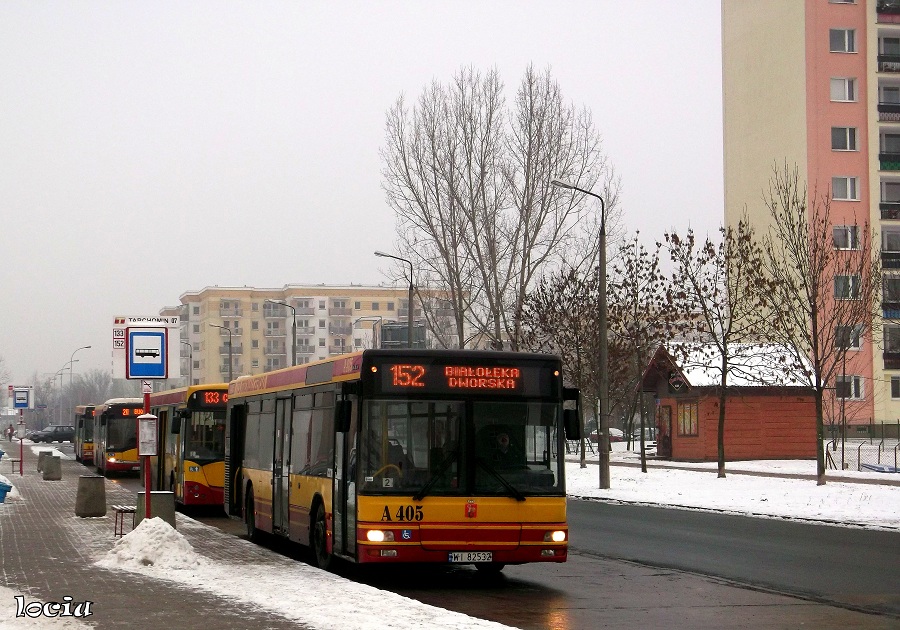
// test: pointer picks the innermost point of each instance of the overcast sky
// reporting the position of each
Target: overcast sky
(153, 148)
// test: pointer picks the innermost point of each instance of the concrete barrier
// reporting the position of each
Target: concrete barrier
(52, 468)
(162, 505)
(42, 455)
(91, 497)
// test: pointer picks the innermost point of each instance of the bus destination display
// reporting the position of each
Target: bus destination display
(210, 398)
(445, 378)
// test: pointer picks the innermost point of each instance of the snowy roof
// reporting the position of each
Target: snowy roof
(750, 365)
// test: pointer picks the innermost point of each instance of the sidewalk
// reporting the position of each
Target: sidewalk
(48, 553)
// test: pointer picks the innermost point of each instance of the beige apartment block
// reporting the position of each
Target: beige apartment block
(330, 320)
(815, 84)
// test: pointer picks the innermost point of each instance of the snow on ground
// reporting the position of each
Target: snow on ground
(292, 589)
(9, 620)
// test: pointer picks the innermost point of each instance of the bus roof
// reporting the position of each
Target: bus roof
(182, 394)
(81, 410)
(345, 367)
(118, 401)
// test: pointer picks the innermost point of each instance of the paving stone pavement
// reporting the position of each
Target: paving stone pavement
(46, 553)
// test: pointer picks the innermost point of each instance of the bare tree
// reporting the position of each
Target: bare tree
(722, 285)
(823, 292)
(469, 183)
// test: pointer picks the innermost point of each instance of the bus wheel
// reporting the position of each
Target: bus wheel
(250, 516)
(489, 568)
(319, 542)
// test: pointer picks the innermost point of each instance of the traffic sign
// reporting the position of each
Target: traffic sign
(145, 349)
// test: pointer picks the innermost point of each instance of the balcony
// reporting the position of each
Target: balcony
(275, 332)
(889, 112)
(235, 332)
(231, 312)
(276, 349)
(306, 330)
(340, 330)
(305, 310)
(235, 350)
(887, 12)
(276, 311)
(890, 260)
(891, 360)
(306, 349)
(236, 370)
(888, 63)
(889, 161)
(337, 311)
(339, 349)
(890, 209)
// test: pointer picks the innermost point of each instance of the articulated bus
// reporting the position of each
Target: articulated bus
(84, 434)
(391, 456)
(115, 435)
(191, 443)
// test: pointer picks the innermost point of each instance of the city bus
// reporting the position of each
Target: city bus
(84, 434)
(406, 456)
(115, 435)
(191, 443)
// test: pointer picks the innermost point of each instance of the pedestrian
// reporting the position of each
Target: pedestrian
(10, 431)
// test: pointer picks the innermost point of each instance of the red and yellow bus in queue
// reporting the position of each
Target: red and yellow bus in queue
(191, 450)
(115, 435)
(416, 456)
(84, 434)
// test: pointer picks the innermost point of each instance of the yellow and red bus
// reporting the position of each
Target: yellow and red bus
(115, 435)
(84, 434)
(191, 443)
(392, 456)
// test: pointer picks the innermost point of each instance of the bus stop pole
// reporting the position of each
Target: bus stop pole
(145, 459)
(21, 440)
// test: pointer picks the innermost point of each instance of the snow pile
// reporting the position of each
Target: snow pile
(52, 450)
(153, 543)
(12, 494)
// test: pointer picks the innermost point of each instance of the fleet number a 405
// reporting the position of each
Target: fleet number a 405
(404, 513)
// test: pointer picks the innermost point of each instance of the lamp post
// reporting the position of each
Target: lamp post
(604, 340)
(59, 372)
(378, 320)
(72, 372)
(190, 362)
(293, 329)
(411, 288)
(228, 330)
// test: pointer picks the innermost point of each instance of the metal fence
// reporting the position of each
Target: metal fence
(869, 455)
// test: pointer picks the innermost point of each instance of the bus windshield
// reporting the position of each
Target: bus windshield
(121, 434)
(205, 437)
(458, 448)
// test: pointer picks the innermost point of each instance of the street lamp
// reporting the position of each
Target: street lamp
(190, 362)
(604, 341)
(59, 373)
(411, 288)
(378, 321)
(72, 372)
(228, 330)
(293, 330)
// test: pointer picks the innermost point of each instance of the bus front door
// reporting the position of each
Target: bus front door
(281, 470)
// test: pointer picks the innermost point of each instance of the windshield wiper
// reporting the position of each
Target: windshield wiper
(512, 489)
(445, 465)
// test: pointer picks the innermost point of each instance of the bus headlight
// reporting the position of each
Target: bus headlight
(379, 535)
(111, 459)
(555, 536)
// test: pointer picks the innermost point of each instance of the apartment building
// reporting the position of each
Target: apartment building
(816, 84)
(227, 332)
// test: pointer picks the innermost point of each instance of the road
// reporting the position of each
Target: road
(633, 566)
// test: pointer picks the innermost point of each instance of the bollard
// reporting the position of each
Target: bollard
(40, 461)
(162, 504)
(52, 468)
(91, 497)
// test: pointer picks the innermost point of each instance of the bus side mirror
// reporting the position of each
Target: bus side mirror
(103, 419)
(342, 418)
(176, 423)
(572, 424)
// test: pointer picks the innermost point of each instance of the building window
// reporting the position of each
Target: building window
(375, 306)
(843, 89)
(322, 343)
(891, 338)
(842, 40)
(254, 363)
(687, 418)
(843, 139)
(196, 310)
(846, 237)
(890, 288)
(356, 305)
(196, 328)
(895, 387)
(196, 365)
(255, 308)
(848, 337)
(254, 343)
(890, 192)
(357, 342)
(842, 1)
(321, 323)
(846, 287)
(845, 188)
(849, 387)
(254, 325)
(390, 306)
(321, 305)
(890, 240)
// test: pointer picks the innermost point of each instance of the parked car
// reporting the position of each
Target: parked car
(615, 435)
(54, 433)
